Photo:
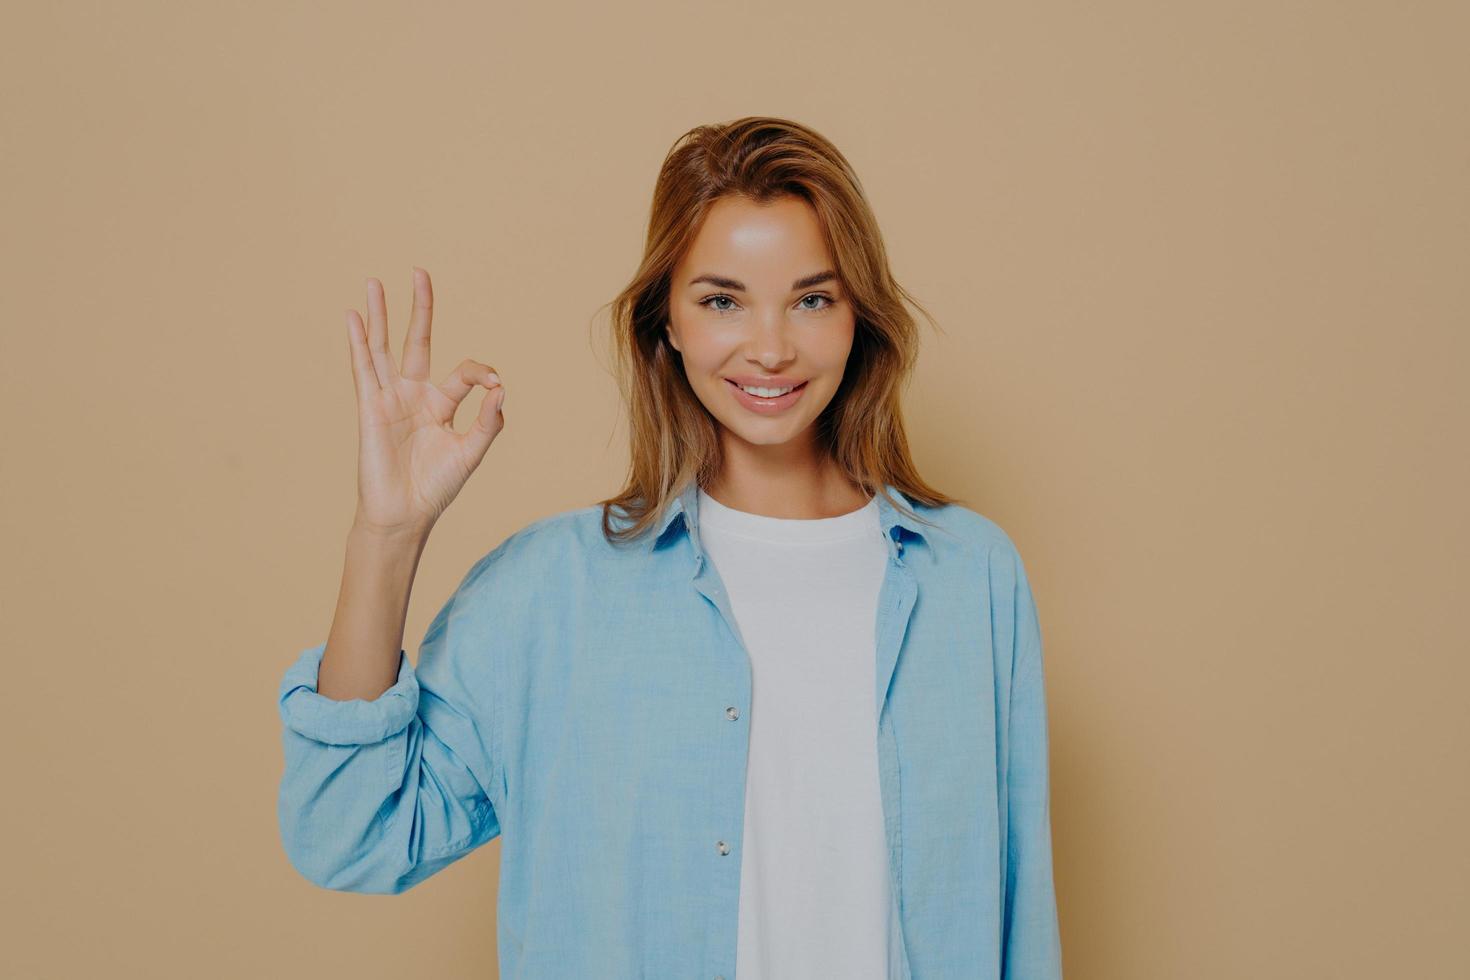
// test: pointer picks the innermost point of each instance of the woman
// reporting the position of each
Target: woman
(776, 710)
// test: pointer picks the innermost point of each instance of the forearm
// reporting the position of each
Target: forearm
(362, 653)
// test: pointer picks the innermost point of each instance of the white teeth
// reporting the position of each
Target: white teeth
(766, 392)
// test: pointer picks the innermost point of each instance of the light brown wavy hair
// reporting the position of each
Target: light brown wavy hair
(673, 437)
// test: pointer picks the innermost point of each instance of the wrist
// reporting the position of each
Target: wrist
(398, 535)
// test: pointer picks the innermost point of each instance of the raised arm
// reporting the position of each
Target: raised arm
(387, 770)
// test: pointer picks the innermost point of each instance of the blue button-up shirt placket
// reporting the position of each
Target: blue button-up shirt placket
(730, 757)
(895, 604)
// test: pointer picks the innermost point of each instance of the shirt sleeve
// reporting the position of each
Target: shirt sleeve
(378, 795)
(1031, 934)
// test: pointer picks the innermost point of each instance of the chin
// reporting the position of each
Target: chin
(760, 435)
(765, 440)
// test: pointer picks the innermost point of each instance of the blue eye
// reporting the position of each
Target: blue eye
(706, 303)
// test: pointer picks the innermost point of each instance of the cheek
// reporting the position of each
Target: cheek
(702, 352)
(831, 355)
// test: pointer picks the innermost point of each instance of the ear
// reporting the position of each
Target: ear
(669, 332)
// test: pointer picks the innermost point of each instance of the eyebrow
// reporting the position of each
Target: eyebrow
(725, 282)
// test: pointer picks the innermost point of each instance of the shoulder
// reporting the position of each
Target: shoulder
(976, 536)
(554, 542)
(989, 564)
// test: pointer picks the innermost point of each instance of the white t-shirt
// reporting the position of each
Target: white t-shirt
(814, 888)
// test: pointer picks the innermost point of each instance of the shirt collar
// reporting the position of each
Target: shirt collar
(683, 511)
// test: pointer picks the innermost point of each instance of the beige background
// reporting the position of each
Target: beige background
(1202, 273)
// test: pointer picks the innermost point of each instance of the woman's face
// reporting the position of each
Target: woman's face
(756, 301)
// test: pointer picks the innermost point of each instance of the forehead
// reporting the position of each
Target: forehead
(780, 238)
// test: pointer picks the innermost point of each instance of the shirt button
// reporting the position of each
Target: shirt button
(732, 713)
(722, 847)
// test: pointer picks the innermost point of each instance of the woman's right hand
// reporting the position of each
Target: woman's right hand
(411, 462)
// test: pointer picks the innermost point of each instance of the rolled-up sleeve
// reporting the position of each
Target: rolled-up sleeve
(354, 722)
(378, 795)
(1031, 933)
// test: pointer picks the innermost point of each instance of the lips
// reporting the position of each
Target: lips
(766, 406)
(753, 385)
(765, 381)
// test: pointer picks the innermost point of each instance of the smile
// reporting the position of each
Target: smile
(766, 401)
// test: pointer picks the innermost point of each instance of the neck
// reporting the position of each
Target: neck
(802, 492)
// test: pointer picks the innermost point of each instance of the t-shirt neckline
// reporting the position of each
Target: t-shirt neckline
(788, 530)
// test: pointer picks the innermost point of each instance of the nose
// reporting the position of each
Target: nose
(770, 344)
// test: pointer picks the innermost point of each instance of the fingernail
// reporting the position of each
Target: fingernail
(494, 378)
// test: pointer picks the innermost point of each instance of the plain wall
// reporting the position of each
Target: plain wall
(1201, 271)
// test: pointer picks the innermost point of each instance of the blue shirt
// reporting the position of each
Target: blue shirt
(589, 702)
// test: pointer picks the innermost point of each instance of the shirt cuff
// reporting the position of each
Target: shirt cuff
(351, 722)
